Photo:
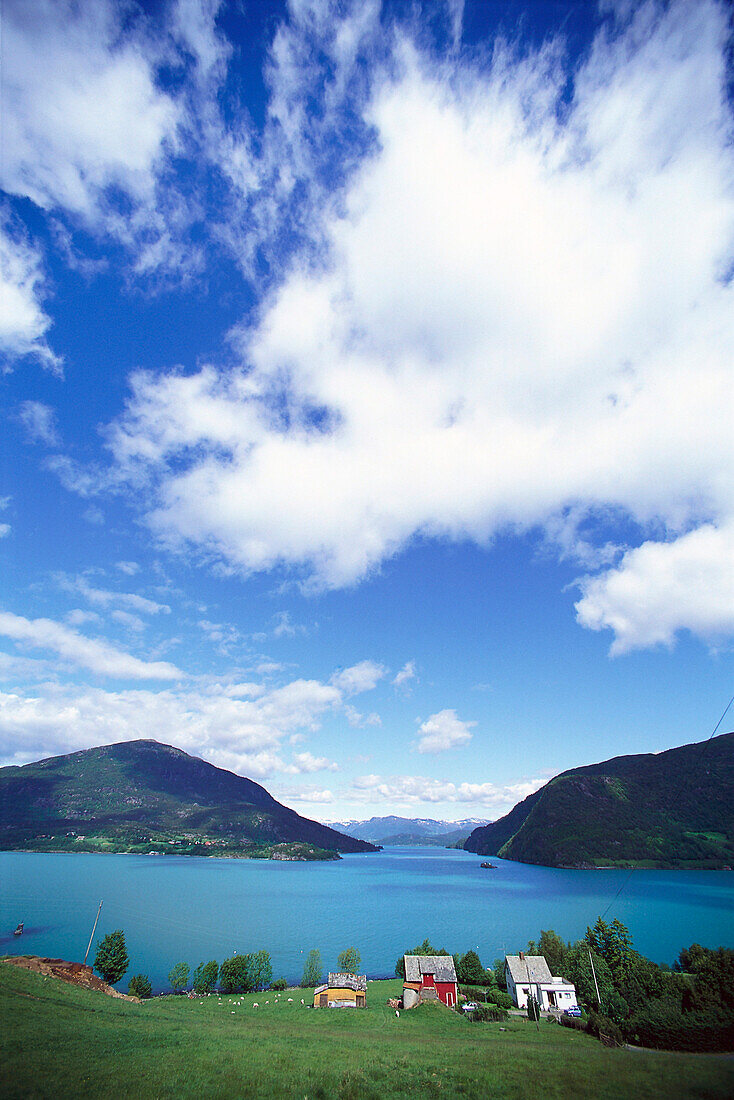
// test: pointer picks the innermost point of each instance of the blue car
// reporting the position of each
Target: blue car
(573, 1011)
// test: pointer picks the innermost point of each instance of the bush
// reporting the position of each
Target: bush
(574, 1022)
(279, 983)
(499, 997)
(205, 977)
(663, 1026)
(487, 1013)
(601, 1027)
(111, 960)
(139, 986)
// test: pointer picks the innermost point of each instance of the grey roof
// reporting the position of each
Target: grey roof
(441, 966)
(348, 981)
(531, 968)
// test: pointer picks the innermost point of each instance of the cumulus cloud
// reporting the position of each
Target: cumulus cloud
(403, 678)
(81, 111)
(442, 731)
(23, 321)
(358, 678)
(39, 421)
(411, 790)
(523, 317)
(94, 654)
(662, 587)
(244, 726)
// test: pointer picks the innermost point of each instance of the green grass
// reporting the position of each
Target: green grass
(59, 1041)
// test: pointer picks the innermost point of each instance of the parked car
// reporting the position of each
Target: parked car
(574, 1010)
(470, 1006)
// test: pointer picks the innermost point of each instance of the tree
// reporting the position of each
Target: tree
(139, 986)
(179, 976)
(579, 971)
(111, 960)
(261, 970)
(533, 1009)
(313, 970)
(614, 943)
(349, 961)
(470, 971)
(234, 975)
(498, 968)
(205, 977)
(554, 950)
(425, 948)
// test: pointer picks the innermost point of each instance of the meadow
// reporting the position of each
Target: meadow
(61, 1041)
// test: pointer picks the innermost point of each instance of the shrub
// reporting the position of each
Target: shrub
(279, 983)
(487, 1013)
(601, 1027)
(662, 1025)
(499, 997)
(533, 1009)
(574, 1022)
(139, 986)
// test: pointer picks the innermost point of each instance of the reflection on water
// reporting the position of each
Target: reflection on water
(191, 909)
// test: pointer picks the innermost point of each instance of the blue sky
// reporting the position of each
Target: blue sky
(367, 389)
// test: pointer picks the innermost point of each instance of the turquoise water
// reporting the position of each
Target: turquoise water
(181, 908)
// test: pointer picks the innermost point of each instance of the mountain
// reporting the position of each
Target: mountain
(390, 831)
(672, 809)
(141, 796)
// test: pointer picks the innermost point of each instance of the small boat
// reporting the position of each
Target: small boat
(19, 930)
(487, 866)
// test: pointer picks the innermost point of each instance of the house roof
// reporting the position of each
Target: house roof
(348, 981)
(441, 966)
(529, 968)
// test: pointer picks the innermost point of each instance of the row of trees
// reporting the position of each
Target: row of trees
(245, 973)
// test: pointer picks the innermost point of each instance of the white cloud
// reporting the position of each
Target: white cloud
(5, 529)
(102, 597)
(523, 314)
(247, 727)
(39, 421)
(81, 111)
(443, 731)
(360, 677)
(306, 762)
(403, 678)
(662, 587)
(129, 568)
(412, 790)
(129, 621)
(95, 654)
(23, 322)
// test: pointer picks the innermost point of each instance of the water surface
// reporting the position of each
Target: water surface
(175, 908)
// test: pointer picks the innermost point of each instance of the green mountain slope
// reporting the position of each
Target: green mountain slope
(143, 796)
(671, 809)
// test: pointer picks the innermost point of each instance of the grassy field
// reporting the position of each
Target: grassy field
(60, 1041)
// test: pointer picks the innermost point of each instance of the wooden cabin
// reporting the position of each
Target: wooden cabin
(342, 991)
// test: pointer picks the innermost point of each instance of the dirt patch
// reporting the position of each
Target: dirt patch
(76, 973)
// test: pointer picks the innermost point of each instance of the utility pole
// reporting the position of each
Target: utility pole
(598, 998)
(93, 931)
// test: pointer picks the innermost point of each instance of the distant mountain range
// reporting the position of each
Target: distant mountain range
(141, 796)
(391, 831)
(672, 809)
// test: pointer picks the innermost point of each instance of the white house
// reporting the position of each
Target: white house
(529, 975)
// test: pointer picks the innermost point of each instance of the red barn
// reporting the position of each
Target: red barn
(429, 978)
